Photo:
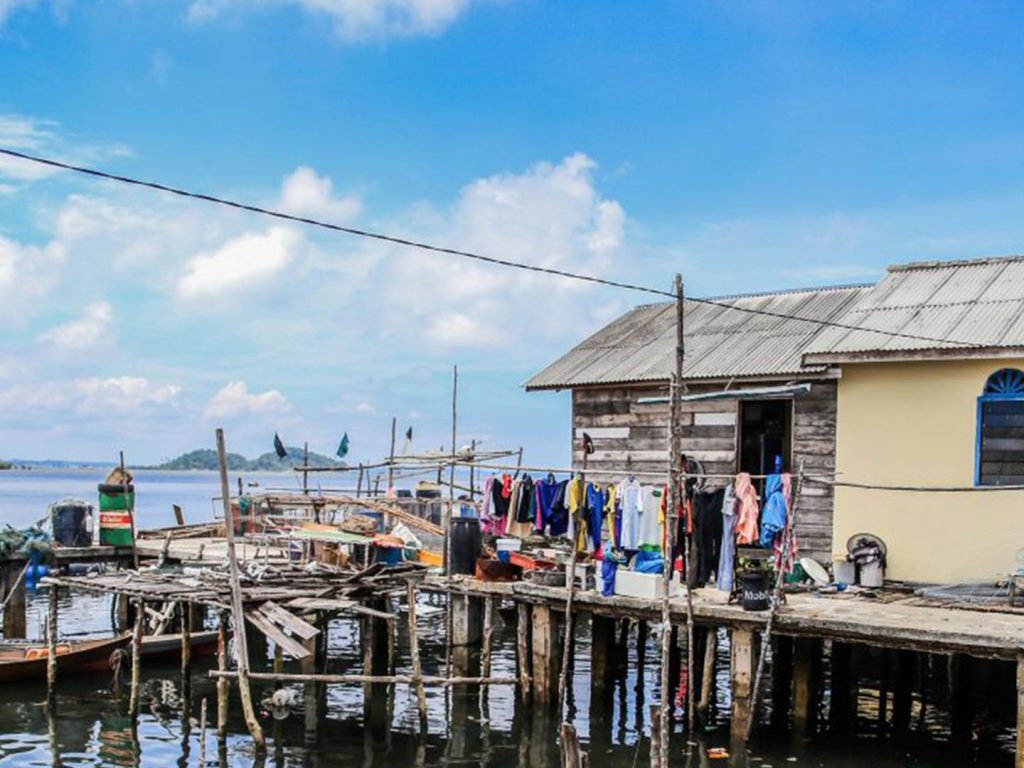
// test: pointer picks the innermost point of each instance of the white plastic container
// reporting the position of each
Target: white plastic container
(649, 585)
(509, 544)
(844, 571)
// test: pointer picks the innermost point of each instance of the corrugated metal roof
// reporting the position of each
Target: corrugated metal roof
(720, 342)
(971, 304)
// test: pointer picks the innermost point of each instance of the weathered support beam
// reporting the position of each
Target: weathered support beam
(414, 652)
(782, 679)
(842, 709)
(602, 651)
(467, 631)
(488, 638)
(903, 690)
(375, 665)
(12, 594)
(960, 685)
(545, 655)
(1019, 757)
(707, 684)
(742, 661)
(51, 651)
(222, 683)
(806, 660)
(311, 690)
(523, 656)
(133, 700)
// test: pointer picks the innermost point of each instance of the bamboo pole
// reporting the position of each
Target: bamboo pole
(414, 650)
(222, 683)
(305, 472)
(51, 650)
(237, 612)
(202, 732)
(391, 458)
(787, 542)
(140, 625)
(570, 625)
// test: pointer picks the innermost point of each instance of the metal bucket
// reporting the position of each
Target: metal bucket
(754, 589)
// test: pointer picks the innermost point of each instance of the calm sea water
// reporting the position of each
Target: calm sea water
(466, 728)
(26, 494)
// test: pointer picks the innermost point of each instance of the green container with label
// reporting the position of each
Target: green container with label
(116, 515)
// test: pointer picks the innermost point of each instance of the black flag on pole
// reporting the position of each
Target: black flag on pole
(279, 447)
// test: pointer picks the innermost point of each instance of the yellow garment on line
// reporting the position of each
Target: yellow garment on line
(609, 513)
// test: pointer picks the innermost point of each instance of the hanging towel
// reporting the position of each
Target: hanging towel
(747, 510)
(631, 503)
(773, 516)
(724, 576)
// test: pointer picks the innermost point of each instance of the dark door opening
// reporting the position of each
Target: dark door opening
(766, 437)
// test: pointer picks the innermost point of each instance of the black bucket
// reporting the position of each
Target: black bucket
(467, 544)
(70, 523)
(754, 587)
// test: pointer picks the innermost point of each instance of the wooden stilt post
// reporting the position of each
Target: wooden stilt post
(842, 688)
(602, 649)
(742, 669)
(186, 642)
(485, 653)
(12, 589)
(51, 650)
(133, 699)
(391, 458)
(523, 649)
(572, 755)
(657, 748)
(310, 691)
(222, 682)
(544, 638)
(129, 505)
(707, 683)
(202, 732)
(414, 651)
(960, 685)
(903, 690)
(237, 609)
(806, 655)
(1019, 757)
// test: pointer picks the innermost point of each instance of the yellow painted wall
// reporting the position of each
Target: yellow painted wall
(915, 424)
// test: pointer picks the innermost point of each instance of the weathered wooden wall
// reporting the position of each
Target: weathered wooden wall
(627, 433)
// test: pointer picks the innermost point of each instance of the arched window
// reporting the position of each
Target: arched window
(1000, 451)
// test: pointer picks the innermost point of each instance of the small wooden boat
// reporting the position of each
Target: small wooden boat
(169, 646)
(27, 660)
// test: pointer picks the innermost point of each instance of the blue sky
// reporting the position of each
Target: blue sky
(751, 146)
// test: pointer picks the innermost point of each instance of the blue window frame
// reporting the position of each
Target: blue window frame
(999, 454)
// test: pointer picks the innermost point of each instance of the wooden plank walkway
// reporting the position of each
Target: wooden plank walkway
(983, 634)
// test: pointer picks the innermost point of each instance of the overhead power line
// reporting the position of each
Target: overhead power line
(394, 240)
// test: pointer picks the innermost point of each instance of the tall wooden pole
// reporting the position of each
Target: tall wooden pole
(305, 469)
(131, 511)
(567, 639)
(237, 614)
(134, 698)
(391, 458)
(451, 476)
(414, 651)
(51, 650)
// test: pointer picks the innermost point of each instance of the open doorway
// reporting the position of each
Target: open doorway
(766, 436)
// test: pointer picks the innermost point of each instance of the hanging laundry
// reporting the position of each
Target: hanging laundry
(650, 524)
(611, 518)
(776, 504)
(596, 499)
(521, 513)
(724, 576)
(708, 526)
(630, 495)
(551, 515)
(747, 510)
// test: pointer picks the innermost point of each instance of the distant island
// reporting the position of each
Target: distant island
(206, 459)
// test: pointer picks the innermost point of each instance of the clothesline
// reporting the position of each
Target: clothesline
(912, 488)
(620, 471)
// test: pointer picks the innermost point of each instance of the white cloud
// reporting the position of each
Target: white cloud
(356, 19)
(93, 328)
(27, 273)
(117, 394)
(44, 137)
(234, 399)
(551, 215)
(242, 262)
(304, 193)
